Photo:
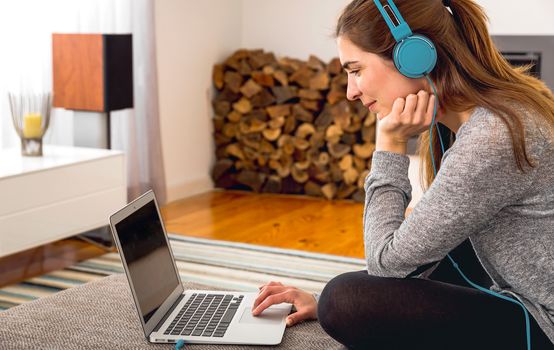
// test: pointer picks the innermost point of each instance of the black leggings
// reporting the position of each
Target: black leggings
(367, 312)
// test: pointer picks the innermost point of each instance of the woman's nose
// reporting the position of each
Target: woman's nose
(352, 91)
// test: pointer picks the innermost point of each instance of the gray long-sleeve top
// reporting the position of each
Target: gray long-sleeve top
(478, 193)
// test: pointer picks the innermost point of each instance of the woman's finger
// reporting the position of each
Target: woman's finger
(267, 291)
(410, 106)
(284, 297)
(422, 104)
(272, 283)
(398, 106)
(297, 317)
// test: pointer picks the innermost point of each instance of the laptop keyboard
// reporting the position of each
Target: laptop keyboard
(205, 315)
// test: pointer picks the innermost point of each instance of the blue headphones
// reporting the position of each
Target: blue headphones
(414, 55)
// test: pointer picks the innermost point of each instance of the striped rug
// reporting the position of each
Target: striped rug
(220, 264)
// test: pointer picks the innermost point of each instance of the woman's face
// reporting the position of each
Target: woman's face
(373, 80)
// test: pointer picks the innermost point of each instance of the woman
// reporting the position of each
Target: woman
(494, 185)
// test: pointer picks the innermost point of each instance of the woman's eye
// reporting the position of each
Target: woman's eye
(355, 72)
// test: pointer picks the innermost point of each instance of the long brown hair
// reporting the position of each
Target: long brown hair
(470, 70)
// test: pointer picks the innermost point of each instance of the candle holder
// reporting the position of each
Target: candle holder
(31, 117)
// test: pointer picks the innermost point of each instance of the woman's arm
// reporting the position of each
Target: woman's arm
(476, 180)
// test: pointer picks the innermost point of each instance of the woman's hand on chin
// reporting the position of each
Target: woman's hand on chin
(409, 116)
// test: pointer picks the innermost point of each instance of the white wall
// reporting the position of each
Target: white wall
(295, 28)
(190, 37)
(529, 17)
(193, 35)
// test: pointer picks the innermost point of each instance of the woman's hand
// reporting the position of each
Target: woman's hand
(408, 117)
(276, 293)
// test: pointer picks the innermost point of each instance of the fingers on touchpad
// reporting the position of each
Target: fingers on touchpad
(272, 315)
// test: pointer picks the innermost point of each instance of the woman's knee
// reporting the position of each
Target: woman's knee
(338, 300)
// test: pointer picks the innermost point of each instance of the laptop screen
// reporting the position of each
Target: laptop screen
(148, 258)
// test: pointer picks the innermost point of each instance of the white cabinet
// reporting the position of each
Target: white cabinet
(67, 191)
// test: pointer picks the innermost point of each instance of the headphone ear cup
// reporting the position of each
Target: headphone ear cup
(415, 56)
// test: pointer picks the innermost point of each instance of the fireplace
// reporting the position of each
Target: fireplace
(535, 49)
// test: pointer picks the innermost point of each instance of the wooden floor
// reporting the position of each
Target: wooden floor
(296, 222)
(286, 221)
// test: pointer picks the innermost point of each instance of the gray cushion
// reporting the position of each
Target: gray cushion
(101, 315)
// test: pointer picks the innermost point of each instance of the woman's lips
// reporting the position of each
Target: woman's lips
(371, 105)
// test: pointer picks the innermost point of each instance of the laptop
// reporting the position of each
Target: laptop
(167, 312)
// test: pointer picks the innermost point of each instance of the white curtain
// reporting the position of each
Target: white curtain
(26, 28)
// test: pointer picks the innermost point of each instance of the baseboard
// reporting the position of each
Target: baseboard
(189, 188)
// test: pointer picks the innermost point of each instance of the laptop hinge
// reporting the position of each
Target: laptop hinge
(169, 312)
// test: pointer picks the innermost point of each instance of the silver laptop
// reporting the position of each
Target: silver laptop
(167, 312)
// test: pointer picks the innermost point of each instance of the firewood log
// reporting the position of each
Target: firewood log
(309, 94)
(278, 111)
(248, 126)
(281, 77)
(284, 93)
(233, 80)
(315, 63)
(324, 119)
(346, 162)
(303, 77)
(368, 134)
(252, 179)
(338, 150)
(277, 122)
(286, 143)
(221, 166)
(313, 189)
(359, 164)
(234, 116)
(242, 106)
(263, 99)
(263, 79)
(235, 150)
(250, 88)
(272, 185)
(329, 190)
(305, 130)
(310, 104)
(334, 67)
(222, 108)
(301, 114)
(344, 191)
(290, 125)
(217, 76)
(348, 138)
(361, 178)
(230, 130)
(320, 81)
(364, 151)
(301, 144)
(350, 176)
(272, 134)
(333, 134)
(300, 176)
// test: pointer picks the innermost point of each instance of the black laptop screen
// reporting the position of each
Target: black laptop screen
(148, 258)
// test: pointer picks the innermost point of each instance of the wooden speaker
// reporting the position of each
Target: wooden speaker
(92, 72)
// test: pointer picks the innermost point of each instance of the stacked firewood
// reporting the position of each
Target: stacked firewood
(285, 126)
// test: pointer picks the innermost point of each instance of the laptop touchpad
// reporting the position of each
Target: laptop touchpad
(272, 315)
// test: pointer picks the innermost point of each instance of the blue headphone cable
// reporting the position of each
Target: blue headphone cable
(474, 285)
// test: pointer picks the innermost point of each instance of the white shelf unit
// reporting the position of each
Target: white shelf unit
(67, 191)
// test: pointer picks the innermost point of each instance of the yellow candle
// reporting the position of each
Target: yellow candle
(32, 125)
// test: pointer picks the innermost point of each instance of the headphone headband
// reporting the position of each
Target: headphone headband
(400, 31)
